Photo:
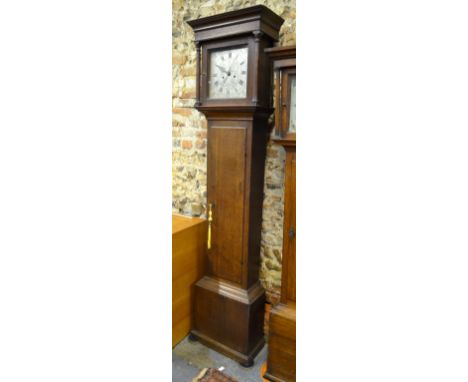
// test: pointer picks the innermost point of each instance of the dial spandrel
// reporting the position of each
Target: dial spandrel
(228, 74)
(292, 105)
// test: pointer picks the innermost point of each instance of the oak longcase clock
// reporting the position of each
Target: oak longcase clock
(281, 362)
(234, 92)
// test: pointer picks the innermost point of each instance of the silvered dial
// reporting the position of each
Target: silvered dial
(292, 105)
(228, 74)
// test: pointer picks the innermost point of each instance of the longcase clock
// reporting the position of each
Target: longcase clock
(234, 92)
(281, 362)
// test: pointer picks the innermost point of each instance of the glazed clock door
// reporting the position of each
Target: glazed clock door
(288, 107)
(292, 104)
(227, 72)
(226, 184)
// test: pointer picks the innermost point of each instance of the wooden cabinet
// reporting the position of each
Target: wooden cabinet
(281, 362)
(188, 266)
(288, 278)
(234, 92)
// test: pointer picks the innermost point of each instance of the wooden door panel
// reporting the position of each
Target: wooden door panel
(226, 189)
(291, 283)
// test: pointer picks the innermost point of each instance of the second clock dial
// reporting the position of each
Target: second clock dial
(228, 73)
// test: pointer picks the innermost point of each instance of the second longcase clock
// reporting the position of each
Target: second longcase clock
(233, 91)
(281, 363)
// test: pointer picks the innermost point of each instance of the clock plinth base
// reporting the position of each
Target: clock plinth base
(272, 378)
(281, 363)
(247, 364)
(229, 319)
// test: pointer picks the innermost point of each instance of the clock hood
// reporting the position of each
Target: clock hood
(237, 22)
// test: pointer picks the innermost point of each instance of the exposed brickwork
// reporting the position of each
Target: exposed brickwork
(189, 131)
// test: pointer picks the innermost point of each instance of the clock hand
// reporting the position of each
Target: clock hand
(221, 68)
(232, 63)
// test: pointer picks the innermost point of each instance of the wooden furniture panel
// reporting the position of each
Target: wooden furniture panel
(288, 292)
(281, 365)
(226, 180)
(188, 263)
(229, 301)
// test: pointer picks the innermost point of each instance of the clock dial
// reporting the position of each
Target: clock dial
(228, 74)
(292, 105)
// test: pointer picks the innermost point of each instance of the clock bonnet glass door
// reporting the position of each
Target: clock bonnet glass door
(286, 103)
(292, 104)
(228, 73)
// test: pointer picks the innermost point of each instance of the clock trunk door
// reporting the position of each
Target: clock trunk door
(226, 191)
(291, 224)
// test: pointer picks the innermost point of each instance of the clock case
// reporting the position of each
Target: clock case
(284, 66)
(281, 362)
(229, 300)
(255, 28)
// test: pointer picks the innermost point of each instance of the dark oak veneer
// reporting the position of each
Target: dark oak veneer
(281, 363)
(229, 300)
